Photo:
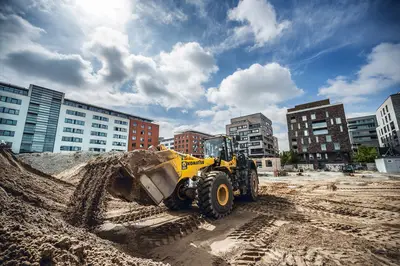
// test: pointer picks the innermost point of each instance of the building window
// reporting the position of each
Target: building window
(8, 122)
(133, 137)
(99, 126)
(98, 141)
(73, 130)
(328, 138)
(305, 132)
(320, 131)
(142, 126)
(295, 133)
(298, 126)
(97, 149)
(76, 113)
(304, 117)
(331, 121)
(316, 139)
(338, 120)
(304, 148)
(148, 140)
(134, 131)
(149, 127)
(116, 136)
(142, 132)
(387, 109)
(134, 124)
(389, 117)
(291, 126)
(141, 139)
(336, 146)
(71, 139)
(309, 140)
(341, 128)
(293, 119)
(102, 118)
(313, 116)
(7, 133)
(302, 141)
(10, 100)
(121, 129)
(70, 148)
(311, 156)
(141, 145)
(326, 114)
(149, 133)
(74, 121)
(326, 156)
(117, 143)
(9, 111)
(319, 157)
(120, 122)
(97, 133)
(323, 147)
(306, 124)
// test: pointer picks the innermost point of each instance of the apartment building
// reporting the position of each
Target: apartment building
(39, 119)
(169, 142)
(318, 133)
(362, 131)
(276, 145)
(388, 115)
(14, 102)
(256, 135)
(190, 142)
(142, 133)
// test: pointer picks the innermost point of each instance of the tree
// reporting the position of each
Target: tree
(288, 157)
(365, 154)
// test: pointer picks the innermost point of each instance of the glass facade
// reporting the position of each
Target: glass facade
(42, 119)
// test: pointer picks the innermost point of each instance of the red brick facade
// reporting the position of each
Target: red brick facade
(190, 142)
(142, 134)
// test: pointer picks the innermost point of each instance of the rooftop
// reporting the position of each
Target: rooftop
(192, 131)
(309, 105)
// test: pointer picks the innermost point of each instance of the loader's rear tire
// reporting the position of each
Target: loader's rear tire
(177, 201)
(252, 190)
(215, 195)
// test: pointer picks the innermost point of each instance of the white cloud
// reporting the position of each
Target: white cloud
(259, 18)
(204, 113)
(160, 12)
(255, 88)
(380, 72)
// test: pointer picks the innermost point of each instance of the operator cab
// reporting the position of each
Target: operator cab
(220, 148)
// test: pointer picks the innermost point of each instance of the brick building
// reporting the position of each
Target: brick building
(190, 142)
(142, 134)
(318, 133)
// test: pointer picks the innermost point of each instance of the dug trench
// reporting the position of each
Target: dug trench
(292, 224)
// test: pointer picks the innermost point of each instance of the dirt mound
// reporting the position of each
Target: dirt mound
(55, 163)
(116, 174)
(32, 231)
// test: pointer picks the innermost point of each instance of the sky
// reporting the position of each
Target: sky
(195, 64)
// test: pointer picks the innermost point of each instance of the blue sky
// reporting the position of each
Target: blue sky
(197, 63)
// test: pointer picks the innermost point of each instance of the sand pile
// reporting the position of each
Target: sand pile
(32, 231)
(116, 174)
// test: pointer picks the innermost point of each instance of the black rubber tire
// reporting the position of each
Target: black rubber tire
(252, 191)
(207, 194)
(174, 203)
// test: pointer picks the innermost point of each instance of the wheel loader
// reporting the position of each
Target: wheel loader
(211, 181)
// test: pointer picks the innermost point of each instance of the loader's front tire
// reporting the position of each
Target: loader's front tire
(177, 201)
(252, 190)
(215, 194)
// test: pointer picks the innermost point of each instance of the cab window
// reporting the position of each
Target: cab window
(229, 149)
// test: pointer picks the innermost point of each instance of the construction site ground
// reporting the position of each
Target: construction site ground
(320, 218)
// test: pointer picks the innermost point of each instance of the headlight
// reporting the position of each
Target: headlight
(199, 173)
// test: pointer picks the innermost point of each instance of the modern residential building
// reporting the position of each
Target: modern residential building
(142, 133)
(362, 131)
(388, 116)
(169, 142)
(318, 133)
(190, 142)
(14, 102)
(39, 119)
(276, 145)
(256, 135)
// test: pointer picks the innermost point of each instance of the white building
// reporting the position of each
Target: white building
(90, 128)
(388, 125)
(14, 102)
(169, 143)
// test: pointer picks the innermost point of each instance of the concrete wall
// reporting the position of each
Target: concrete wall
(268, 164)
(334, 167)
(388, 165)
(305, 166)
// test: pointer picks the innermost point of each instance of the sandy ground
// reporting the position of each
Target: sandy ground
(316, 219)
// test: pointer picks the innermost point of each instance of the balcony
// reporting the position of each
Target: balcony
(319, 125)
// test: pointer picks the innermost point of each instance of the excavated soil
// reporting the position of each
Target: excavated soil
(116, 174)
(299, 220)
(32, 231)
